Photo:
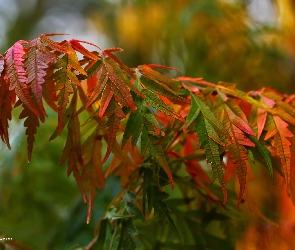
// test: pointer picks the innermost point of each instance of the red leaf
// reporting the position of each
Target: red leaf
(105, 100)
(156, 66)
(16, 74)
(37, 59)
(31, 123)
(100, 85)
(5, 110)
(78, 47)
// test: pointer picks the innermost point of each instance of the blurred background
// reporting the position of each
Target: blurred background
(248, 42)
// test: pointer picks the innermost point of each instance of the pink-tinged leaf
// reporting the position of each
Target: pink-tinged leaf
(100, 85)
(37, 59)
(16, 74)
(240, 123)
(78, 47)
(5, 110)
(1, 64)
(31, 123)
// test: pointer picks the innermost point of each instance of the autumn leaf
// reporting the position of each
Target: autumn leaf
(5, 110)
(31, 123)
(76, 44)
(278, 130)
(115, 114)
(37, 59)
(16, 74)
(72, 149)
(92, 176)
(158, 104)
(204, 131)
(65, 79)
(151, 144)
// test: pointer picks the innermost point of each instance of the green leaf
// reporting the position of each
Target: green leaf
(131, 228)
(205, 132)
(264, 152)
(133, 128)
(193, 113)
(113, 215)
(164, 212)
(102, 234)
(159, 89)
(210, 117)
(129, 244)
(158, 104)
(134, 210)
(151, 143)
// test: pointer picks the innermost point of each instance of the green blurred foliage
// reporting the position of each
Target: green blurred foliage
(40, 206)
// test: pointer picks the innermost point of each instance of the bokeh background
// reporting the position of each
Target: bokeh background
(248, 42)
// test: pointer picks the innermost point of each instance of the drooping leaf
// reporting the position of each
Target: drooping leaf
(119, 87)
(193, 113)
(113, 126)
(236, 146)
(278, 129)
(65, 79)
(73, 143)
(162, 209)
(133, 209)
(16, 74)
(204, 132)
(264, 152)
(129, 244)
(210, 117)
(31, 123)
(5, 110)
(92, 176)
(102, 80)
(37, 59)
(133, 128)
(134, 124)
(102, 234)
(155, 149)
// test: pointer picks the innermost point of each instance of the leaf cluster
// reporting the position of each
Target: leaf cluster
(143, 126)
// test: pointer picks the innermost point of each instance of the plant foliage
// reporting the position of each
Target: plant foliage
(143, 126)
